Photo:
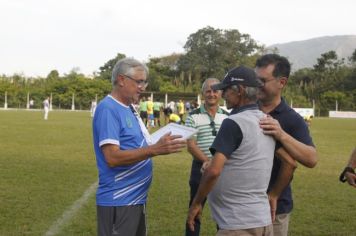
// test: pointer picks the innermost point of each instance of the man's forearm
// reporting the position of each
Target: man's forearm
(206, 185)
(116, 157)
(284, 177)
(284, 156)
(299, 151)
(209, 178)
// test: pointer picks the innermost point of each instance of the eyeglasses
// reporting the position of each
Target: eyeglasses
(212, 125)
(264, 81)
(140, 83)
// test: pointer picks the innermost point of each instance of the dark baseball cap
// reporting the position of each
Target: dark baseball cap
(239, 75)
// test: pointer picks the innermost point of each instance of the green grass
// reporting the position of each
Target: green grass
(323, 205)
(45, 166)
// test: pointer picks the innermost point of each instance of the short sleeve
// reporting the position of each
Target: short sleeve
(108, 128)
(228, 138)
(189, 122)
(299, 130)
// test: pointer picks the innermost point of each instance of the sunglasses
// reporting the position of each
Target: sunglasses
(212, 125)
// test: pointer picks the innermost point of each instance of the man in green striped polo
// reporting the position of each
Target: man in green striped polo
(207, 120)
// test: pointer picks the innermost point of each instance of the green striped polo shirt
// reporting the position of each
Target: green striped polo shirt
(201, 120)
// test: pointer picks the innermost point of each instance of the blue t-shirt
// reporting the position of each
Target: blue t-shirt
(115, 123)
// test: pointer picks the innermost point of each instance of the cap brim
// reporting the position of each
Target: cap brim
(219, 86)
(256, 83)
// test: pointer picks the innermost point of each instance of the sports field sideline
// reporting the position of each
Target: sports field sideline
(48, 175)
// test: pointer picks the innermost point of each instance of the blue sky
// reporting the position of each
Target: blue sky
(40, 35)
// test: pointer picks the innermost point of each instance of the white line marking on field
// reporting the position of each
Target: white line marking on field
(71, 211)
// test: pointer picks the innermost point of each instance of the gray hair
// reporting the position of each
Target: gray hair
(250, 92)
(127, 66)
(205, 84)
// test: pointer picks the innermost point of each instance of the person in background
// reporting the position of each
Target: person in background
(143, 109)
(157, 107)
(348, 173)
(92, 108)
(150, 117)
(181, 109)
(287, 127)
(32, 103)
(194, 104)
(173, 117)
(172, 106)
(308, 119)
(46, 108)
(167, 111)
(124, 154)
(187, 106)
(207, 119)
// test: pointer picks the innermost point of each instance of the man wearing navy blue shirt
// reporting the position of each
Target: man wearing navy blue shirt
(287, 127)
(123, 153)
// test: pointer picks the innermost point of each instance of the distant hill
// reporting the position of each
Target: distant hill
(305, 53)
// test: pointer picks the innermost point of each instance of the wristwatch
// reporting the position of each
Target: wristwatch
(342, 177)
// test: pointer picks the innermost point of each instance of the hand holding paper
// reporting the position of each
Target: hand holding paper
(175, 129)
(167, 144)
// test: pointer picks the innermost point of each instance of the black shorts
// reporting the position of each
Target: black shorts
(121, 220)
(156, 114)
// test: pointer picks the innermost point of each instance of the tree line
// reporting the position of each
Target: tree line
(209, 52)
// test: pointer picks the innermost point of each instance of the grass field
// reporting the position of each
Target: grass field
(45, 166)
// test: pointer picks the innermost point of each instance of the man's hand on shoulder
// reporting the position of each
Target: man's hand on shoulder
(271, 127)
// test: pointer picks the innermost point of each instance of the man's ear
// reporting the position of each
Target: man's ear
(241, 89)
(283, 81)
(119, 80)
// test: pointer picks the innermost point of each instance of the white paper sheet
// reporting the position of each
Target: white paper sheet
(176, 129)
